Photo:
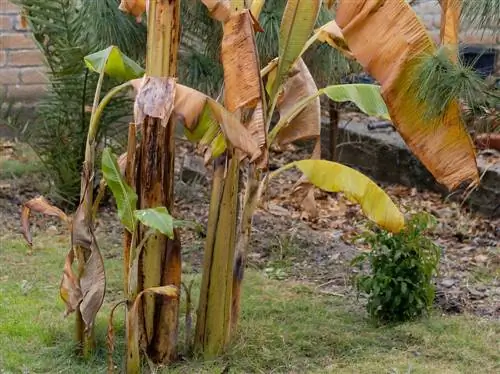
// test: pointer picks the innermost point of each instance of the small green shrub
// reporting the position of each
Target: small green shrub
(399, 285)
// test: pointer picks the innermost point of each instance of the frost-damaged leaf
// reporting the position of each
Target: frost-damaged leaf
(114, 63)
(92, 280)
(334, 177)
(155, 99)
(134, 7)
(390, 52)
(125, 196)
(40, 205)
(158, 219)
(367, 97)
(219, 10)
(191, 104)
(240, 62)
(297, 25)
(69, 288)
(133, 353)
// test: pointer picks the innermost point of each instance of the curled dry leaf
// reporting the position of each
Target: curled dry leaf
(219, 10)
(40, 205)
(390, 52)
(134, 7)
(240, 62)
(155, 99)
(92, 280)
(306, 125)
(133, 349)
(69, 288)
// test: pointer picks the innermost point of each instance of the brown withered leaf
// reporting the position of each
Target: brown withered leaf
(390, 52)
(41, 205)
(69, 288)
(240, 62)
(307, 124)
(219, 10)
(134, 7)
(257, 129)
(188, 105)
(155, 99)
(92, 280)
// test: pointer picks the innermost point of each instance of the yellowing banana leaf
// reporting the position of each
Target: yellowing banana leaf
(125, 196)
(450, 24)
(332, 34)
(367, 97)
(219, 10)
(333, 177)
(297, 25)
(114, 63)
(388, 40)
(256, 7)
(240, 63)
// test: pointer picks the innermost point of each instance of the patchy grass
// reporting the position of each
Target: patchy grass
(285, 327)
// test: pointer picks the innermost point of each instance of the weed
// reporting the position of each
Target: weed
(400, 285)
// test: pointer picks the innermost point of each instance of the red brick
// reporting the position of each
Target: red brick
(3, 58)
(8, 7)
(33, 75)
(9, 76)
(16, 41)
(32, 57)
(5, 23)
(27, 92)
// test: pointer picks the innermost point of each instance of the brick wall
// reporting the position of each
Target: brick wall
(21, 67)
(21, 64)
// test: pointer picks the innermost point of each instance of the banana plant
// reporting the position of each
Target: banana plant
(83, 290)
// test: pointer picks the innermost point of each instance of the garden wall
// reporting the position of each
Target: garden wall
(22, 75)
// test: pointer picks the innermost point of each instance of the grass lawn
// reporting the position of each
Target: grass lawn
(285, 327)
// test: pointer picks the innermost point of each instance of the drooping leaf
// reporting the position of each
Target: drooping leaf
(240, 63)
(93, 279)
(367, 97)
(158, 219)
(114, 63)
(390, 52)
(219, 10)
(297, 25)
(69, 288)
(125, 196)
(134, 7)
(303, 124)
(133, 340)
(191, 104)
(40, 205)
(334, 177)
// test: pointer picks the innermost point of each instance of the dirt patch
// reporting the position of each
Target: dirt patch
(288, 244)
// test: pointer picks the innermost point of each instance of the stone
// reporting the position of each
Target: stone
(193, 169)
(448, 282)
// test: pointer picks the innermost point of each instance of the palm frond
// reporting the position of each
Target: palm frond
(481, 14)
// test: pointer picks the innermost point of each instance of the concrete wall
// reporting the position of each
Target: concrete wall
(21, 67)
(21, 64)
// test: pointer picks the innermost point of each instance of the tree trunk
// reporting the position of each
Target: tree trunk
(160, 259)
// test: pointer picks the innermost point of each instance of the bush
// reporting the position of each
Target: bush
(399, 285)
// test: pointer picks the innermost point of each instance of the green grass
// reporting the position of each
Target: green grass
(285, 327)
